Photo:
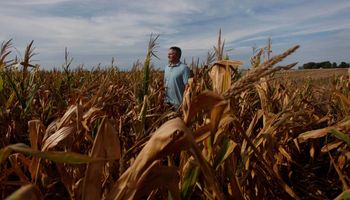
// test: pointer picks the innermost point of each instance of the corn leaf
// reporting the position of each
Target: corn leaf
(4, 154)
(59, 157)
(1, 83)
(60, 135)
(345, 195)
(28, 192)
(189, 181)
(203, 102)
(226, 149)
(106, 145)
(156, 177)
(340, 135)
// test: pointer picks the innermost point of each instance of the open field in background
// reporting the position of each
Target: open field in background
(105, 134)
(313, 74)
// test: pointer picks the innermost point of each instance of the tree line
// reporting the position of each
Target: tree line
(324, 65)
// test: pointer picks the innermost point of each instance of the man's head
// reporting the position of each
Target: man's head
(174, 55)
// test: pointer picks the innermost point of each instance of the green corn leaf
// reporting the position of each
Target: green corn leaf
(31, 97)
(340, 135)
(59, 157)
(226, 149)
(15, 87)
(189, 181)
(345, 195)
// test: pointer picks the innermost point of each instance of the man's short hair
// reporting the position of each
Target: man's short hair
(177, 50)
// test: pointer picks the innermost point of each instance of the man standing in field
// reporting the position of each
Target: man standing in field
(176, 75)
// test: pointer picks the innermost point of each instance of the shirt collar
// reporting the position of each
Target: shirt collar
(174, 65)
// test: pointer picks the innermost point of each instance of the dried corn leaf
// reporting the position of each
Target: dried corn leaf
(16, 166)
(170, 137)
(28, 192)
(89, 117)
(221, 78)
(106, 145)
(216, 115)
(58, 137)
(68, 117)
(234, 184)
(285, 153)
(330, 146)
(173, 136)
(202, 133)
(36, 132)
(313, 134)
(158, 177)
(318, 133)
(4, 153)
(204, 101)
(56, 156)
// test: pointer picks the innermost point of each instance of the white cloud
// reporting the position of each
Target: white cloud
(98, 29)
(34, 2)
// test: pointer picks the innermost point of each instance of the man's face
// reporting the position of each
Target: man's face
(172, 57)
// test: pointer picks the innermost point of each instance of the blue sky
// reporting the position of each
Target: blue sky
(96, 31)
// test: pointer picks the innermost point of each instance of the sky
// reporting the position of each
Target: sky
(94, 32)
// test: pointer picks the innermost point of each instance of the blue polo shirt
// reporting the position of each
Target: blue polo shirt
(175, 80)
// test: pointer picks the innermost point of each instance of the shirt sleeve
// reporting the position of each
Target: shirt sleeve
(186, 75)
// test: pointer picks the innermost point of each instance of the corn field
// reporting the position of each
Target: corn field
(106, 134)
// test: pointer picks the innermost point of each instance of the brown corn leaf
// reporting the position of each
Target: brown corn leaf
(58, 137)
(202, 133)
(28, 192)
(158, 177)
(331, 146)
(216, 115)
(313, 134)
(173, 136)
(56, 156)
(36, 132)
(285, 153)
(234, 184)
(68, 116)
(204, 101)
(318, 133)
(4, 154)
(221, 78)
(220, 74)
(16, 165)
(106, 145)
(170, 137)
(89, 116)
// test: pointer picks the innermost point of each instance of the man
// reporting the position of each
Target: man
(176, 75)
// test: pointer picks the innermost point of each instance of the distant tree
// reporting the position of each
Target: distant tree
(343, 65)
(309, 65)
(318, 66)
(334, 65)
(325, 64)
